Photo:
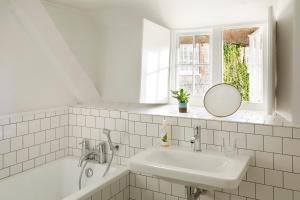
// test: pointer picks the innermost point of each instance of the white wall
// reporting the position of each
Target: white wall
(107, 42)
(39, 65)
(296, 53)
(27, 80)
(120, 33)
(285, 15)
(79, 31)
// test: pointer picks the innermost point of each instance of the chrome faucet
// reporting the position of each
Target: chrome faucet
(85, 146)
(96, 153)
(87, 156)
(196, 139)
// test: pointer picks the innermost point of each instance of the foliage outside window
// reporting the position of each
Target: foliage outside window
(243, 61)
(235, 68)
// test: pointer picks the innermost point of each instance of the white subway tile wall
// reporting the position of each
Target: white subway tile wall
(32, 139)
(118, 190)
(274, 149)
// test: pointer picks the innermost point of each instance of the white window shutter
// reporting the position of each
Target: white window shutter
(154, 87)
(272, 62)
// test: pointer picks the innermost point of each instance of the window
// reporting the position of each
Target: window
(243, 61)
(221, 55)
(193, 63)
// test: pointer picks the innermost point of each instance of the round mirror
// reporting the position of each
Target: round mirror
(222, 100)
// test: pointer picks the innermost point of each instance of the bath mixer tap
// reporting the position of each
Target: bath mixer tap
(196, 139)
(96, 153)
(88, 156)
(85, 146)
(101, 148)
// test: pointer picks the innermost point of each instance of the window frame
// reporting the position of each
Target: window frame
(216, 59)
(250, 105)
(197, 100)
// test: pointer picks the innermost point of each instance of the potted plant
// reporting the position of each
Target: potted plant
(164, 134)
(183, 98)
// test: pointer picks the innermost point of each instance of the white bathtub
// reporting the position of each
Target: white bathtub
(57, 180)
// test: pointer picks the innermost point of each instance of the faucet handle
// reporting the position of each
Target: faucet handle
(100, 145)
(198, 130)
(193, 139)
(84, 144)
(84, 140)
(101, 149)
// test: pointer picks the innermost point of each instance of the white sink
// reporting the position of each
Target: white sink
(203, 169)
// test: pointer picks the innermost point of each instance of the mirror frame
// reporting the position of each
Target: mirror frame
(241, 100)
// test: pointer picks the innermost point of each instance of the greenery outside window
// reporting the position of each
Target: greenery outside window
(243, 61)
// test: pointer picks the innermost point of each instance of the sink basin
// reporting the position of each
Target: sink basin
(208, 170)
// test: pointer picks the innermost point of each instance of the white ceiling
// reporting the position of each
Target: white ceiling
(187, 13)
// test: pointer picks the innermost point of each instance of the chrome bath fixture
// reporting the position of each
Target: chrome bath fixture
(113, 149)
(88, 154)
(97, 153)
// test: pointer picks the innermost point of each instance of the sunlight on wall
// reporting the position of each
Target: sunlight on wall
(155, 64)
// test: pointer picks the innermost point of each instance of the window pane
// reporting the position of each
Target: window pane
(185, 50)
(202, 80)
(185, 82)
(243, 62)
(193, 64)
(202, 49)
(185, 78)
(184, 70)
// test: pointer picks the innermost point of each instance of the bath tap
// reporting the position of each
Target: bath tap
(196, 139)
(88, 153)
(91, 154)
(85, 146)
(87, 156)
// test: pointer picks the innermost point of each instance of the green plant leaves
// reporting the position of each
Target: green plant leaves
(182, 96)
(164, 138)
(235, 69)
